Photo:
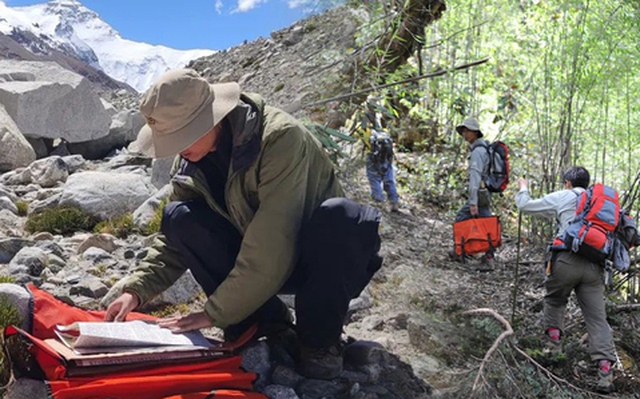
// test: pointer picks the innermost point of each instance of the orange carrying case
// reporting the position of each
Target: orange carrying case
(477, 235)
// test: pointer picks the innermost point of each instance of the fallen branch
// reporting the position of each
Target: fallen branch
(551, 375)
(297, 106)
(508, 331)
(628, 307)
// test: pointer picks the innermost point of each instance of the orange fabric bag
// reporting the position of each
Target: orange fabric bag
(218, 378)
(477, 235)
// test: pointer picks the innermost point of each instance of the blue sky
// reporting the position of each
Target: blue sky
(189, 24)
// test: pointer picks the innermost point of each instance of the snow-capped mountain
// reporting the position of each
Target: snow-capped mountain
(70, 27)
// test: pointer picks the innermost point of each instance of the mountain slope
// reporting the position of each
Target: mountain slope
(70, 28)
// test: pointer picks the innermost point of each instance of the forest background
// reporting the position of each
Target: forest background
(559, 86)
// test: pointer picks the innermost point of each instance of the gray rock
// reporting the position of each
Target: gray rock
(96, 255)
(74, 162)
(106, 242)
(361, 353)
(24, 388)
(285, 376)
(29, 260)
(16, 150)
(280, 392)
(147, 211)
(6, 203)
(160, 171)
(106, 195)
(48, 101)
(21, 299)
(9, 247)
(47, 172)
(90, 287)
(124, 129)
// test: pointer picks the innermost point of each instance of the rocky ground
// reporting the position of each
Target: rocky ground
(415, 340)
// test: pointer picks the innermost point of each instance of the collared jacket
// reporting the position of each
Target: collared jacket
(478, 168)
(278, 175)
(559, 205)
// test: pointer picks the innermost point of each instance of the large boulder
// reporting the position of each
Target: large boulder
(106, 195)
(124, 129)
(48, 101)
(16, 150)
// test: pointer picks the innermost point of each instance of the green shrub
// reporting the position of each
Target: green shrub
(9, 315)
(23, 207)
(59, 220)
(120, 226)
(154, 225)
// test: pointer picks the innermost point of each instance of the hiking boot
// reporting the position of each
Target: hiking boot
(552, 347)
(552, 342)
(605, 377)
(320, 363)
(395, 207)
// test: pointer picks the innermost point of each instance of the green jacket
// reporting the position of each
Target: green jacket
(279, 174)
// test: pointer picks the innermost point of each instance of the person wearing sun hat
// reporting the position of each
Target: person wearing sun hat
(255, 210)
(479, 198)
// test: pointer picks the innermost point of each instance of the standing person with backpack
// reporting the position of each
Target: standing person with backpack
(569, 271)
(479, 199)
(380, 171)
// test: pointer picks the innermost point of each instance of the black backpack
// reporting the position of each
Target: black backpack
(498, 177)
(381, 149)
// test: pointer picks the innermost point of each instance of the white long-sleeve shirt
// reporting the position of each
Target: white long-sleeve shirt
(560, 205)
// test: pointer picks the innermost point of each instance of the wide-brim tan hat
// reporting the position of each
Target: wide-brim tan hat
(471, 124)
(180, 108)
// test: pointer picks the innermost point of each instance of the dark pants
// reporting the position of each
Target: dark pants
(338, 256)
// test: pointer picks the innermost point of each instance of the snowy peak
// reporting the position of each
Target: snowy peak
(69, 26)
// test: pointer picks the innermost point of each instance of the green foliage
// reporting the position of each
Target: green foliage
(329, 139)
(120, 226)
(59, 220)
(23, 207)
(7, 279)
(156, 221)
(9, 315)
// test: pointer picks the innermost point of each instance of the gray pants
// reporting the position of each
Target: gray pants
(573, 272)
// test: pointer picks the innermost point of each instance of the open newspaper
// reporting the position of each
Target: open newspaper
(92, 347)
(97, 337)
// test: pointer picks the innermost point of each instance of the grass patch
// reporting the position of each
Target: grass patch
(23, 207)
(59, 220)
(154, 225)
(120, 226)
(7, 279)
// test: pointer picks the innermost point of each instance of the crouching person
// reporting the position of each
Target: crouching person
(256, 210)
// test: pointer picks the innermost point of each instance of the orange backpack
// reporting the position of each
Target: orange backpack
(218, 378)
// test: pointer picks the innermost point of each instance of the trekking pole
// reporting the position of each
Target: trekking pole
(515, 283)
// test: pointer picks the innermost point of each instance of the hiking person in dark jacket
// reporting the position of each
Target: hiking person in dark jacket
(572, 272)
(379, 167)
(256, 210)
(479, 198)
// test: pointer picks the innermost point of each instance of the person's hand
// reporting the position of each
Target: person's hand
(121, 307)
(473, 209)
(523, 183)
(180, 324)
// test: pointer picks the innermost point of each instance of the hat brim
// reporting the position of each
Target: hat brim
(459, 130)
(227, 97)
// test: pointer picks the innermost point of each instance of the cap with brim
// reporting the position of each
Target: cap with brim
(180, 108)
(471, 124)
